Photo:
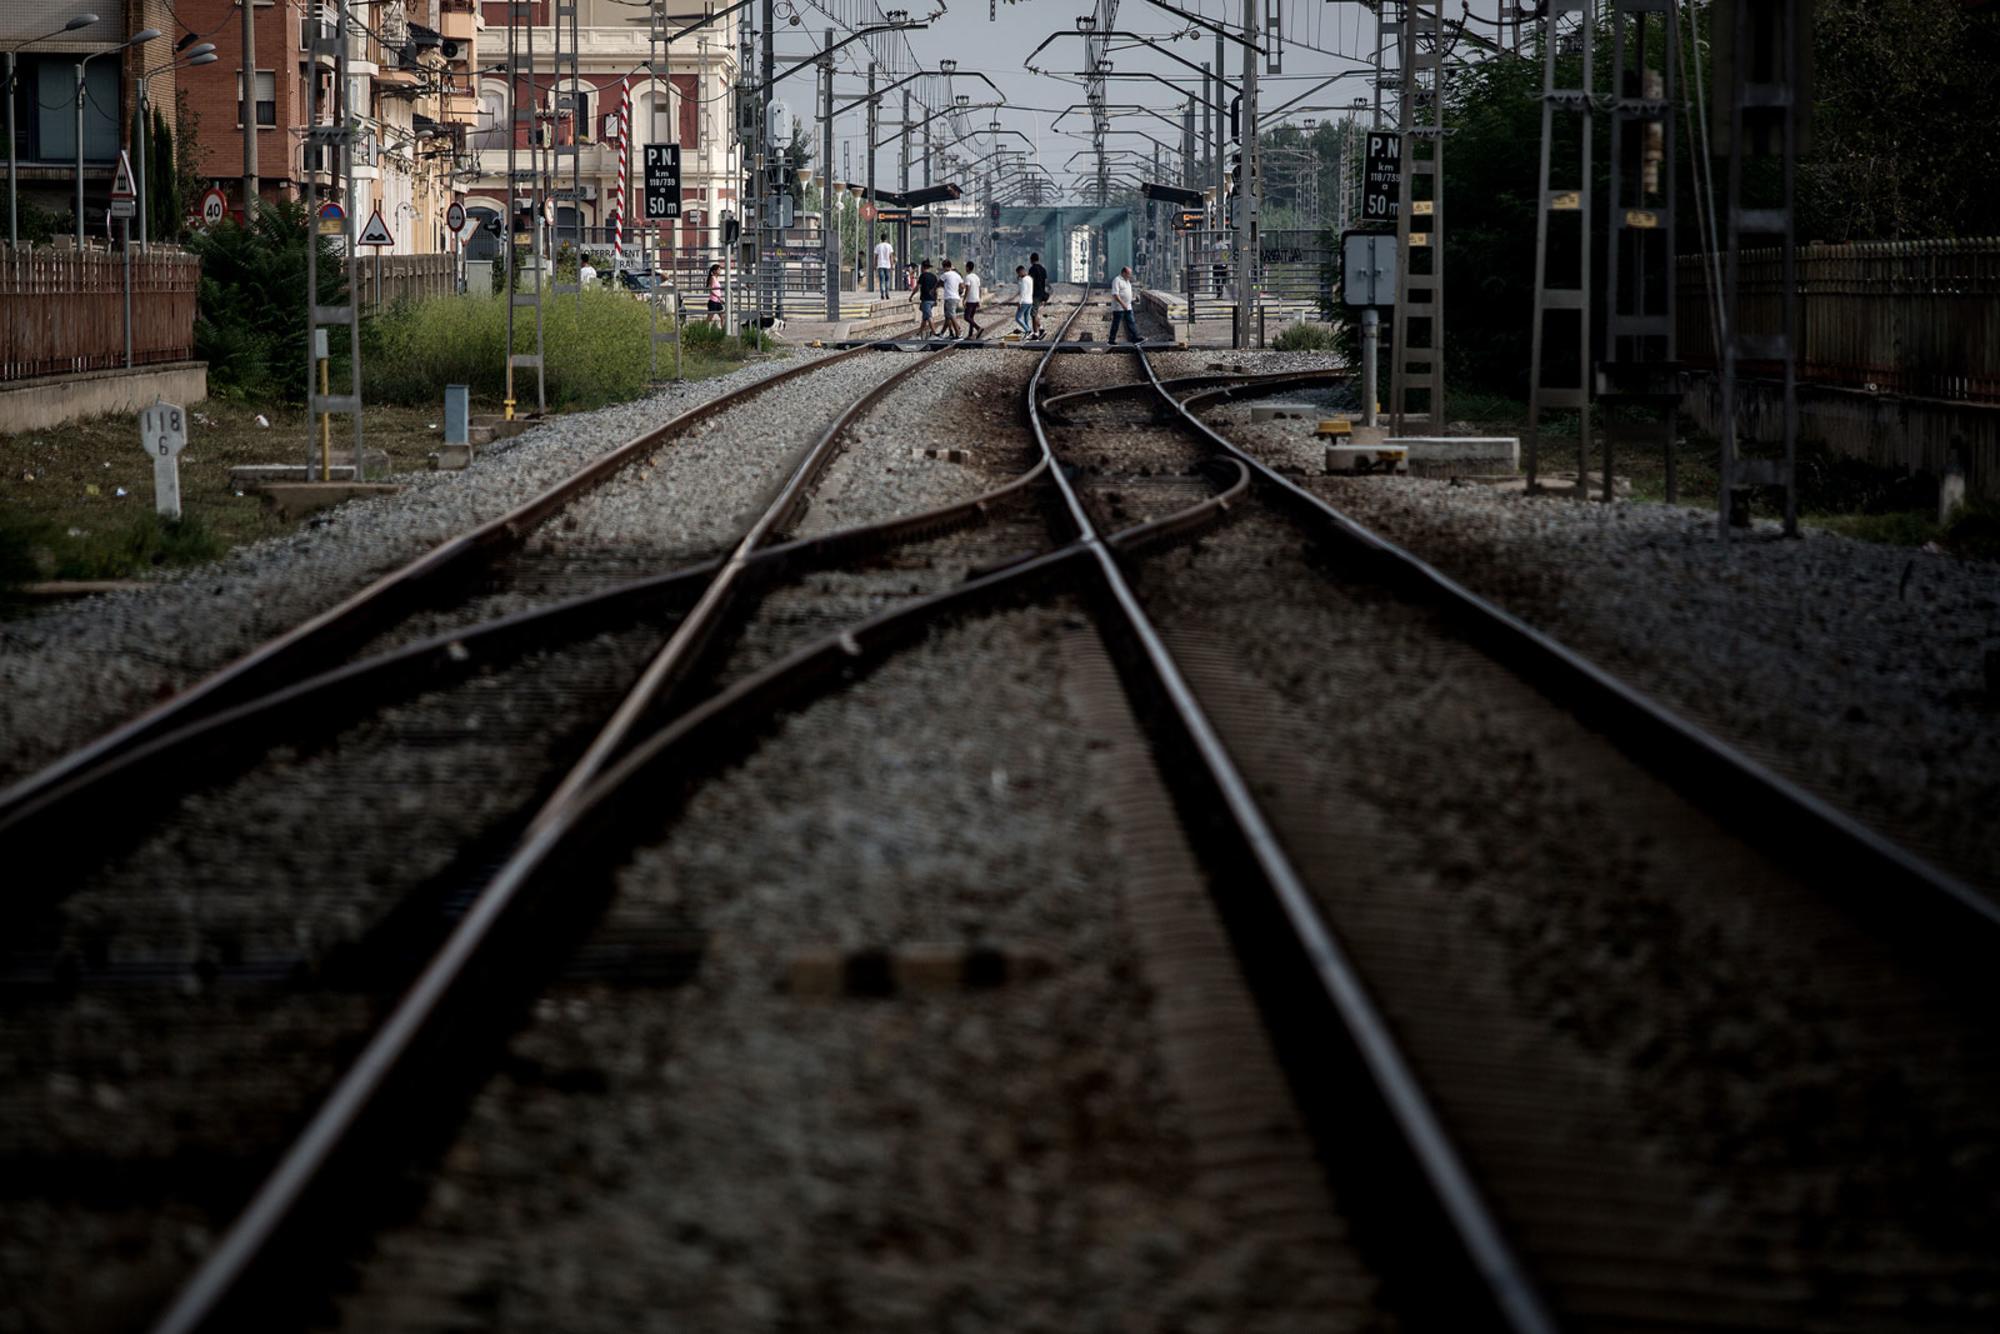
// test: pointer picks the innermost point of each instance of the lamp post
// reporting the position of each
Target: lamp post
(204, 54)
(13, 217)
(144, 35)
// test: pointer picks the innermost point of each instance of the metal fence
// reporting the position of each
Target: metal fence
(1915, 318)
(63, 311)
(1293, 280)
(405, 278)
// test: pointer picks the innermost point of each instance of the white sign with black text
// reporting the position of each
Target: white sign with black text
(163, 435)
(663, 181)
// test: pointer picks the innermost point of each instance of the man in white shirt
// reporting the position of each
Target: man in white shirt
(586, 274)
(885, 263)
(972, 284)
(953, 284)
(1121, 305)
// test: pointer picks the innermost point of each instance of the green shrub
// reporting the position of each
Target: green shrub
(1307, 337)
(705, 340)
(250, 319)
(602, 355)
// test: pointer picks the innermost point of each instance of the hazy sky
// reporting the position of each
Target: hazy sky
(998, 47)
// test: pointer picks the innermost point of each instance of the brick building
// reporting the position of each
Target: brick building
(410, 80)
(45, 95)
(688, 103)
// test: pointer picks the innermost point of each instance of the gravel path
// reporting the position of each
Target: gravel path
(74, 671)
(1859, 669)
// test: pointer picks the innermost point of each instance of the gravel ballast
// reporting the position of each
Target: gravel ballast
(1856, 668)
(757, 1153)
(75, 671)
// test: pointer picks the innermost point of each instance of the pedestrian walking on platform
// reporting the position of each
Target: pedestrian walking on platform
(885, 264)
(1024, 301)
(972, 284)
(925, 295)
(1121, 306)
(952, 283)
(1039, 276)
(715, 294)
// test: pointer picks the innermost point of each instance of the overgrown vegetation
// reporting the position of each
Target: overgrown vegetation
(1306, 336)
(596, 356)
(250, 322)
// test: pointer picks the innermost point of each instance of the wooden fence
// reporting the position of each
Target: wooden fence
(406, 278)
(63, 311)
(1915, 318)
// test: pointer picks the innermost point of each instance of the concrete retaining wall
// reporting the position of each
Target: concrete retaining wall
(51, 400)
(1891, 431)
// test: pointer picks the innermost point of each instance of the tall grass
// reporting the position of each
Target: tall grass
(601, 355)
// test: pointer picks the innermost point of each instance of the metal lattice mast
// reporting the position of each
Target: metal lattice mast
(565, 16)
(520, 64)
(1417, 354)
(1568, 201)
(335, 148)
(1641, 368)
(1761, 101)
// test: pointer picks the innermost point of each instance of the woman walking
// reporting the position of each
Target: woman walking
(715, 294)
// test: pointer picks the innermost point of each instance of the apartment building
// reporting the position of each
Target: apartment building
(46, 61)
(410, 88)
(686, 101)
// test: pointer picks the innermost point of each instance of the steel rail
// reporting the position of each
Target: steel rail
(1509, 1295)
(163, 767)
(365, 612)
(1707, 770)
(447, 992)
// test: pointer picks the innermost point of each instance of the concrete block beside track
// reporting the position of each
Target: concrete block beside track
(293, 499)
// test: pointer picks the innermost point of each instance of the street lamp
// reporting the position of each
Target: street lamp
(144, 35)
(13, 222)
(203, 54)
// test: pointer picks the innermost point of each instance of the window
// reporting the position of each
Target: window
(267, 99)
(490, 129)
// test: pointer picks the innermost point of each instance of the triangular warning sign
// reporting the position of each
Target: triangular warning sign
(376, 232)
(122, 187)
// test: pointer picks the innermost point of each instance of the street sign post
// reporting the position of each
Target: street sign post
(1368, 281)
(376, 234)
(124, 197)
(332, 219)
(163, 435)
(454, 218)
(214, 206)
(663, 181)
(1382, 176)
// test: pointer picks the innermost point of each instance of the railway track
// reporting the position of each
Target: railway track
(1472, 828)
(1514, 1149)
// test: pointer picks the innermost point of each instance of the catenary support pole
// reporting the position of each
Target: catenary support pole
(249, 113)
(771, 214)
(829, 213)
(1246, 184)
(868, 142)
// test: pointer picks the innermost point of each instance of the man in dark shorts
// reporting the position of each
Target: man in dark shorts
(925, 294)
(973, 282)
(1039, 278)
